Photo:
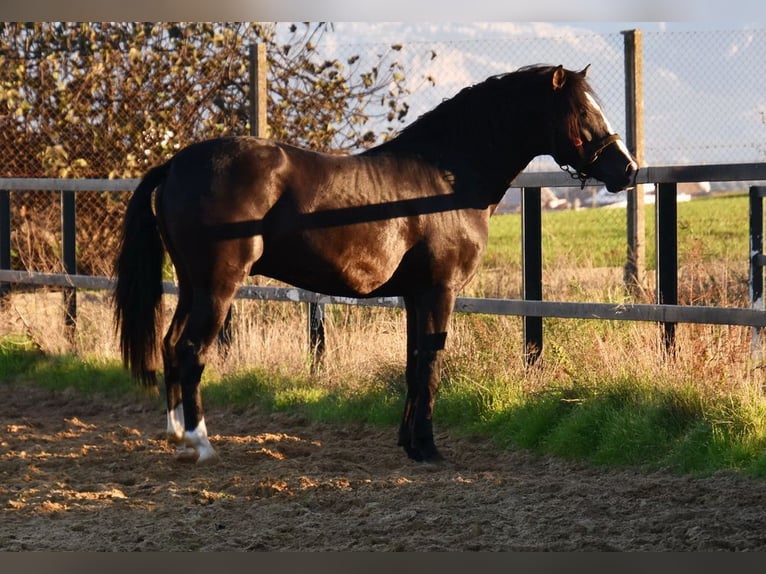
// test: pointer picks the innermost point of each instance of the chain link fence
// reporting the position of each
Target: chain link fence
(704, 102)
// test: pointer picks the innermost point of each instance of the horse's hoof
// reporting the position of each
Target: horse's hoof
(210, 458)
(200, 457)
(434, 457)
(186, 454)
(429, 453)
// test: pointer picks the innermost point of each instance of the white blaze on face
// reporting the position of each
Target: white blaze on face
(619, 143)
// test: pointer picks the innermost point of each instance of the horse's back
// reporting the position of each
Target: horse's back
(344, 224)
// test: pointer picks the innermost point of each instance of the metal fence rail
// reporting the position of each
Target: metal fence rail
(532, 306)
(514, 307)
(647, 174)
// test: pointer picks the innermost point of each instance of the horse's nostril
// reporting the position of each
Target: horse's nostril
(632, 168)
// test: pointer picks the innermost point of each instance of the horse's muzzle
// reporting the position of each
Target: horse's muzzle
(629, 181)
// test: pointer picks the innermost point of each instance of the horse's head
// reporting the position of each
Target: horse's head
(583, 138)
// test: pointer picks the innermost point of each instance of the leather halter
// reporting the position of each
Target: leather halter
(589, 152)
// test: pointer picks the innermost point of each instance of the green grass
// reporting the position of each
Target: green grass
(596, 237)
(22, 361)
(610, 422)
(624, 423)
(377, 405)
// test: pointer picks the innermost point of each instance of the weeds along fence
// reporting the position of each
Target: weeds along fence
(532, 306)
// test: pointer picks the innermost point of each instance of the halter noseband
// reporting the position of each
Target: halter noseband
(587, 159)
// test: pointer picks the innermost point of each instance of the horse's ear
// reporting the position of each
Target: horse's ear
(584, 71)
(559, 78)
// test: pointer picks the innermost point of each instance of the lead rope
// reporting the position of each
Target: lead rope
(575, 174)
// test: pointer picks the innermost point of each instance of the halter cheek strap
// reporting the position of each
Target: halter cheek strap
(586, 158)
(598, 147)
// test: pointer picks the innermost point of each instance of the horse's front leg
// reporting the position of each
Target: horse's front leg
(427, 321)
(405, 429)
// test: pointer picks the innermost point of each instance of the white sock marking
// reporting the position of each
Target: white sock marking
(197, 446)
(176, 424)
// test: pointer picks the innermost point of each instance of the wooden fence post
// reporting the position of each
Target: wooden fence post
(259, 128)
(635, 265)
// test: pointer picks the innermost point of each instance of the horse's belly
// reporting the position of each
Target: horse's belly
(351, 271)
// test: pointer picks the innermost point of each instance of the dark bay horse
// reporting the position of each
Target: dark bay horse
(407, 218)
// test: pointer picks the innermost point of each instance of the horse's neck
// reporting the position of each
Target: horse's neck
(482, 169)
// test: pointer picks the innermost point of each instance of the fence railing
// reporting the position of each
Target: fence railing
(666, 311)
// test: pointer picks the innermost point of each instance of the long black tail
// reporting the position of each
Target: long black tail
(137, 296)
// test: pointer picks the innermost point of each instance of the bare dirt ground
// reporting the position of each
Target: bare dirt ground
(82, 473)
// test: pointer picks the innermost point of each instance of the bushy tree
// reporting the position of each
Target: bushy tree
(111, 99)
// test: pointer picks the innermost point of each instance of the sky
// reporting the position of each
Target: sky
(604, 11)
(382, 31)
(702, 102)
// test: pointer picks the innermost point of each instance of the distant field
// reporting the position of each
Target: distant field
(597, 236)
(713, 245)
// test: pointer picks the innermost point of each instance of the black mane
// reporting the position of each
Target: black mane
(486, 111)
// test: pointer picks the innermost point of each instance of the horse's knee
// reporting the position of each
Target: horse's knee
(433, 342)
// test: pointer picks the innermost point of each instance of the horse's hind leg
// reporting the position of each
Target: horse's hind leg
(175, 414)
(206, 316)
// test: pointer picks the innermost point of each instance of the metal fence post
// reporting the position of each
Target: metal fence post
(635, 265)
(316, 312)
(5, 239)
(69, 252)
(667, 255)
(532, 268)
(316, 335)
(757, 261)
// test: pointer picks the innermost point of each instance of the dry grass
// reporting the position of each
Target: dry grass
(604, 390)
(366, 345)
